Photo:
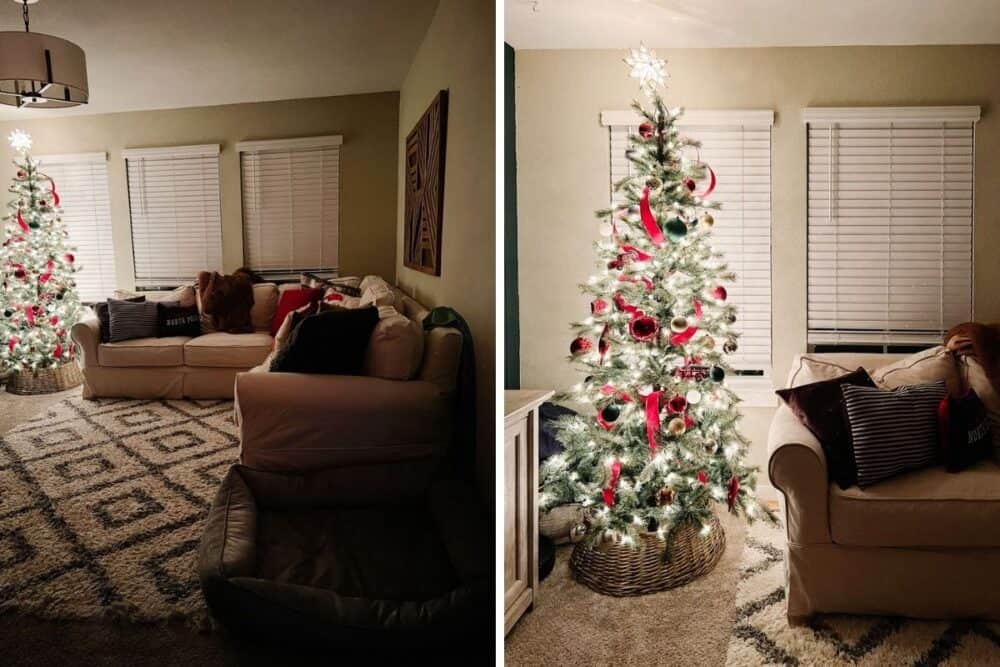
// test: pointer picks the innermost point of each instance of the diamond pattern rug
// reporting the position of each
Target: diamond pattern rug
(102, 503)
(762, 636)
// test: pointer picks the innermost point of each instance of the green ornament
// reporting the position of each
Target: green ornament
(676, 229)
(610, 412)
(718, 374)
(34, 225)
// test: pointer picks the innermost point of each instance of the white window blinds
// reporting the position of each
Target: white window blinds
(81, 180)
(737, 145)
(291, 205)
(174, 206)
(890, 223)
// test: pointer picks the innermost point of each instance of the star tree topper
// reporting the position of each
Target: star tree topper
(20, 141)
(650, 70)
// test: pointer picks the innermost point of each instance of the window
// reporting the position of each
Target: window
(890, 224)
(291, 205)
(81, 179)
(737, 145)
(173, 196)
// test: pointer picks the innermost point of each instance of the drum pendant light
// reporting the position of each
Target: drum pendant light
(40, 71)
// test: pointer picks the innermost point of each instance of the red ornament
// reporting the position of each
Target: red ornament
(719, 293)
(44, 278)
(58, 352)
(689, 184)
(11, 342)
(646, 130)
(70, 257)
(609, 491)
(21, 174)
(733, 491)
(54, 320)
(19, 272)
(677, 405)
(702, 477)
(580, 346)
(29, 314)
(643, 328)
(598, 306)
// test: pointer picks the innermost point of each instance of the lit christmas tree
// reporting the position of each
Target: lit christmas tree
(658, 443)
(38, 299)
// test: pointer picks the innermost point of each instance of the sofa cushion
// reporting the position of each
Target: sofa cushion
(265, 302)
(811, 369)
(923, 508)
(820, 408)
(396, 347)
(892, 431)
(931, 365)
(292, 300)
(132, 320)
(143, 352)
(226, 350)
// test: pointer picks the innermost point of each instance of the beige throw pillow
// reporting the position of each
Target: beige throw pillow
(265, 302)
(396, 347)
(811, 369)
(183, 295)
(923, 367)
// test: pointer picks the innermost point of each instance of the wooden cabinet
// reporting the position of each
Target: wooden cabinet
(520, 540)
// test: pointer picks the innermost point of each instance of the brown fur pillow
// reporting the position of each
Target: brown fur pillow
(227, 300)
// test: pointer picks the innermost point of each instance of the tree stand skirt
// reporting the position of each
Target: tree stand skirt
(46, 380)
(622, 571)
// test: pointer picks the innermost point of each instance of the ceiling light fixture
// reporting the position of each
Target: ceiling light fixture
(40, 71)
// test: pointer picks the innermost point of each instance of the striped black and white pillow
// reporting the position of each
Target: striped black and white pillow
(132, 320)
(892, 431)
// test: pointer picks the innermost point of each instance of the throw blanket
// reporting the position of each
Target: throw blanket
(979, 341)
(227, 300)
(463, 449)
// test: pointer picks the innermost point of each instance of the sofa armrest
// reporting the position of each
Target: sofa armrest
(442, 354)
(295, 422)
(797, 468)
(87, 335)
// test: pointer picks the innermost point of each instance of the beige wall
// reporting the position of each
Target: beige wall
(458, 54)
(368, 124)
(562, 155)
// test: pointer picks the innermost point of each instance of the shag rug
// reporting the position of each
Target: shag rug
(102, 503)
(761, 634)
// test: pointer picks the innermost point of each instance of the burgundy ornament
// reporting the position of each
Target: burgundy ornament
(733, 491)
(598, 306)
(580, 346)
(689, 184)
(643, 328)
(677, 405)
(646, 130)
(719, 293)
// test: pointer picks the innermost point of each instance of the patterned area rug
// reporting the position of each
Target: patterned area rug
(761, 635)
(102, 503)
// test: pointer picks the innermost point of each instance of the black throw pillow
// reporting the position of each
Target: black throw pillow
(820, 408)
(893, 431)
(965, 431)
(331, 343)
(177, 320)
(101, 309)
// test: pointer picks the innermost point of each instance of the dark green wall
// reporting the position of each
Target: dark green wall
(511, 328)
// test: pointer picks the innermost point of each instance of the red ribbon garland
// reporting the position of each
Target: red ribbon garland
(648, 221)
(652, 420)
(683, 337)
(21, 222)
(711, 183)
(55, 195)
(609, 491)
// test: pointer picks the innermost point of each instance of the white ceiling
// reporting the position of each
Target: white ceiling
(157, 54)
(618, 24)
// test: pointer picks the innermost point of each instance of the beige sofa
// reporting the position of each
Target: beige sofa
(178, 366)
(925, 544)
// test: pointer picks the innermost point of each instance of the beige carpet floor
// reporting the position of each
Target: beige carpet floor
(572, 625)
(761, 635)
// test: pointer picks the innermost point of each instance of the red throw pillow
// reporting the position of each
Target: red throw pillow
(293, 299)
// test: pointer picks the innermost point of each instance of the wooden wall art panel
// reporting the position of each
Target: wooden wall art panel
(424, 200)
